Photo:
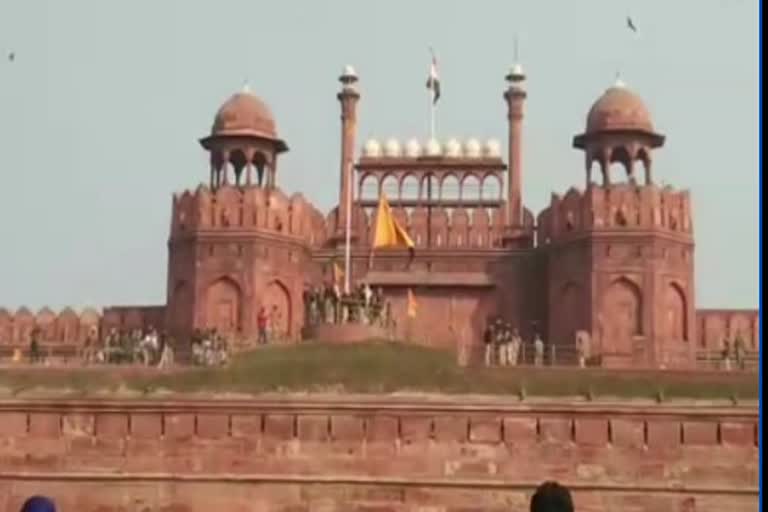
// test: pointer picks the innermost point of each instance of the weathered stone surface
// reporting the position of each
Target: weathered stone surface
(401, 460)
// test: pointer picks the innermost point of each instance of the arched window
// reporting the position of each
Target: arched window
(491, 188)
(470, 188)
(390, 187)
(449, 188)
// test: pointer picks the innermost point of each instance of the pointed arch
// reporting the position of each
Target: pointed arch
(622, 312)
(277, 301)
(450, 187)
(223, 301)
(675, 313)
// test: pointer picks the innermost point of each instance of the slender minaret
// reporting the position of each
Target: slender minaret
(515, 96)
(348, 97)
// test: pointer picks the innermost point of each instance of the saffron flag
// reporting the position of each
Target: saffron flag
(412, 305)
(338, 274)
(433, 82)
(388, 231)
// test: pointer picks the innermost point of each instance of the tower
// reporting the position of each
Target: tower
(515, 97)
(619, 256)
(348, 97)
(240, 244)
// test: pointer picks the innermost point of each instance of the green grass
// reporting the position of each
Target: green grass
(381, 368)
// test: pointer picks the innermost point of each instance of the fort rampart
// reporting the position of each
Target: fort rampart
(375, 454)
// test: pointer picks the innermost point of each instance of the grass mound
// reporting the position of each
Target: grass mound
(381, 368)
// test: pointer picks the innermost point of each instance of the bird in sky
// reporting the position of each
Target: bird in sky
(11, 56)
(631, 24)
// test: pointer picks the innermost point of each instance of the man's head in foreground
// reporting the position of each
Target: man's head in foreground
(551, 497)
(38, 504)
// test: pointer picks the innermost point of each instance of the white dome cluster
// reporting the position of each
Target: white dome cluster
(452, 148)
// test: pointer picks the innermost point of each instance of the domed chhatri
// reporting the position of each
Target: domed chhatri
(392, 149)
(413, 149)
(244, 113)
(453, 148)
(619, 109)
(372, 149)
(492, 149)
(472, 148)
(433, 148)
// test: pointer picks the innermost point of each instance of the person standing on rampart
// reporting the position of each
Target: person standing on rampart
(488, 337)
(726, 353)
(538, 350)
(261, 325)
(34, 346)
(514, 347)
(739, 348)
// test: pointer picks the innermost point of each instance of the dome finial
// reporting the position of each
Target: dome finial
(348, 77)
(619, 82)
(246, 86)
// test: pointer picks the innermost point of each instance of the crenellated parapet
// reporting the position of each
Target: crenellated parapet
(253, 209)
(619, 207)
(437, 227)
(66, 327)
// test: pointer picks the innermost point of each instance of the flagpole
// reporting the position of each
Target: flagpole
(431, 114)
(348, 245)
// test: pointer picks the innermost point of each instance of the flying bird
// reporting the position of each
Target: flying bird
(631, 24)
(11, 56)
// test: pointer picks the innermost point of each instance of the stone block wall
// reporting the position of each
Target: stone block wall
(375, 455)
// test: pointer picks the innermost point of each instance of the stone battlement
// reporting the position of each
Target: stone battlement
(450, 228)
(247, 208)
(67, 327)
(70, 328)
(624, 207)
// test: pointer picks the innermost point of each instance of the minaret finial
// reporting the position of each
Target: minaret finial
(517, 48)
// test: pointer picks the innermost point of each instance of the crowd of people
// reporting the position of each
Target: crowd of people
(734, 352)
(330, 305)
(209, 348)
(504, 346)
(548, 497)
(146, 347)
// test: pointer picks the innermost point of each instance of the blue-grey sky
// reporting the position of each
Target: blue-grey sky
(102, 107)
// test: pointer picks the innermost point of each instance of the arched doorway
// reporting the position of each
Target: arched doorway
(622, 316)
(223, 305)
(676, 318)
(277, 300)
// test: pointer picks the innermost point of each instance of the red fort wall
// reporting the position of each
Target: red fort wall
(375, 454)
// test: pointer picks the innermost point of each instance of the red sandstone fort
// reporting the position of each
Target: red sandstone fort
(613, 255)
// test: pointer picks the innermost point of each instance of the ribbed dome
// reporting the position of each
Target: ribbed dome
(245, 114)
(619, 109)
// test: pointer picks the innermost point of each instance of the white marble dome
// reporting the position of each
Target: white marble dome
(453, 148)
(472, 148)
(372, 149)
(433, 148)
(493, 148)
(413, 148)
(392, 148)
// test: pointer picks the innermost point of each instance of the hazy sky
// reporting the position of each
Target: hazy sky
(101, 111)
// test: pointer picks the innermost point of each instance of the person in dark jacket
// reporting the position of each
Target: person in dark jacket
(38, 504)
(551, 497)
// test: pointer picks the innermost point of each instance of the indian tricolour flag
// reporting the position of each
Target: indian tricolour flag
(433, 82)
